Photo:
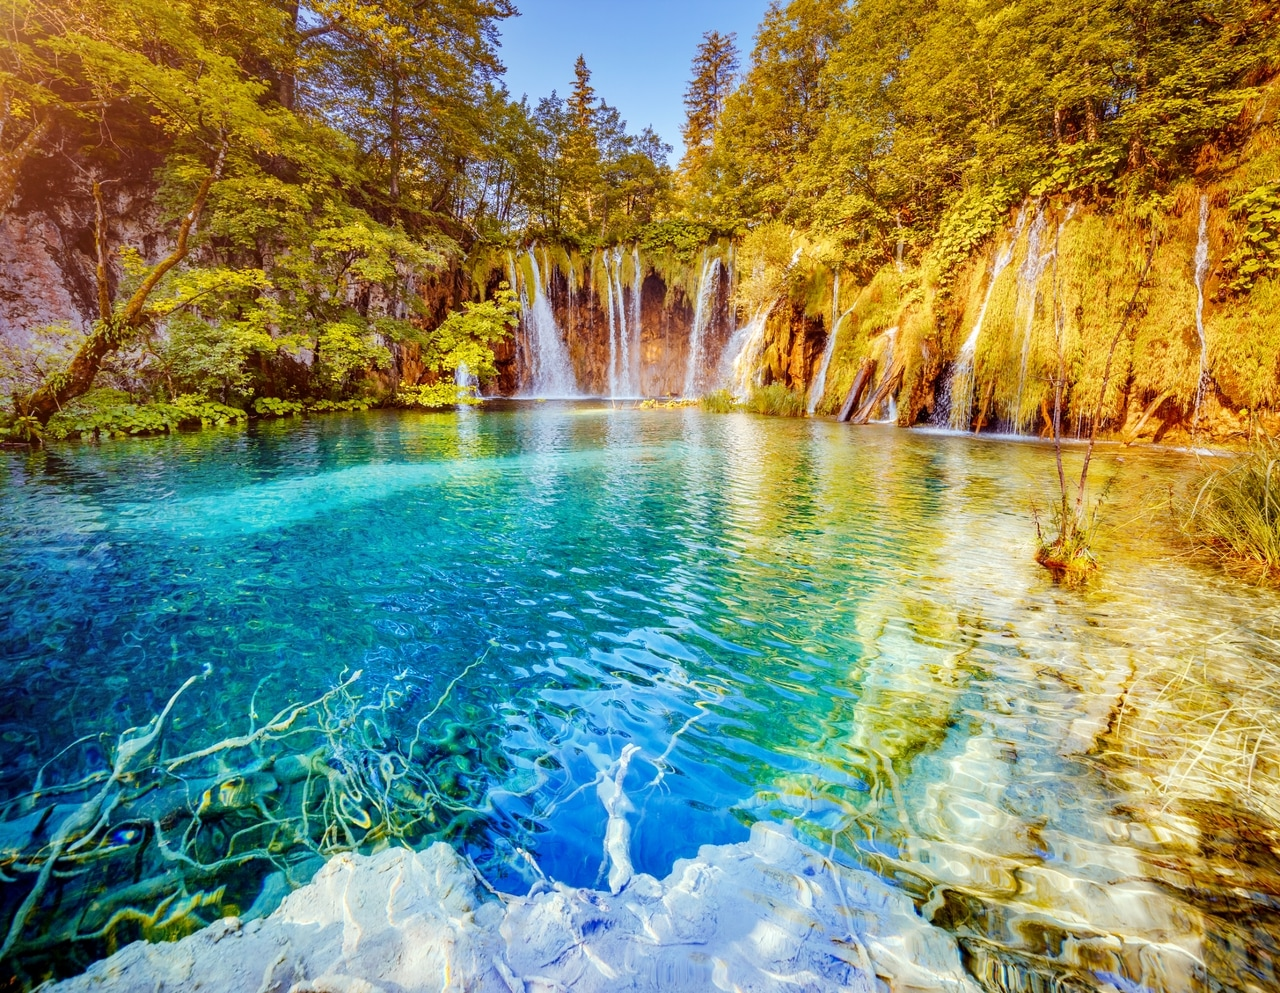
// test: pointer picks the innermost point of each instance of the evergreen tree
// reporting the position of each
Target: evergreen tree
(581, 149)
(715, 68)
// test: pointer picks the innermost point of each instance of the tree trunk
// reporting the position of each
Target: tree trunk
(860, 384)
(100, 248)
(394, 139)
(891, 381)
(113, 330)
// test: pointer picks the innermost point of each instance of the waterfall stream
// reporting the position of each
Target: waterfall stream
(704, 308)
(741, 359)
(550, 372)
(837, 319)
(1029, 274)
(959, 388)
(637, 287)
(1202, 272)
(886, 363)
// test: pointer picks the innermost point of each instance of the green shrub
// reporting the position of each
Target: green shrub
(337, 406)
(433, 396)
(1237, 507)
(102, 412)
(275, 407)
(776, 400)
(718, 402)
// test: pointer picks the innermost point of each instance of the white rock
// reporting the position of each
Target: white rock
(768, 914)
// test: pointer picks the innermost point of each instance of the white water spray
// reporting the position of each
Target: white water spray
(820, 380)
(1033, 267)
(959, 388)
(741, 360)
(550, 372)
(886, 363)
(1202, 272)
(637, 292)
(708, 283)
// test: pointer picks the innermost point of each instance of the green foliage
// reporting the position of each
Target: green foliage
(1236, 509)
(719, 402)
(275, 407)
(24, 428)
(466, 337)
(679, 238)
(109, 412)
(776, 400)
(339, 406)
(970, 220)
(348, 346)
(1258, 252)
(46, 351)
(432, 396)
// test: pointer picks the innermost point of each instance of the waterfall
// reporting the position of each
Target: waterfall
(1029, 274)
(739, 364)
(637, 294)
(820, 380)
(623, 382)
(1202, 272)
(624, 331)
(466, 381)
(708, 283)
(550, 374)
(959, 389)
(886, 363)
(613, 327)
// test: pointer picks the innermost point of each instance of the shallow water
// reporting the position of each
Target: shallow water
(793, 620)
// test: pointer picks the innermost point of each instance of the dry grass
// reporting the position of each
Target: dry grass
(1237, 507)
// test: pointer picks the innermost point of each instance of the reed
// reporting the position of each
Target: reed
(775, 400)
(718, 402)
(1236, 510)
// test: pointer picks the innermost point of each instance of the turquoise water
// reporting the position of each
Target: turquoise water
(794, 621)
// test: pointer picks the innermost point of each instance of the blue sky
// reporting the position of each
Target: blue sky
(638, 52)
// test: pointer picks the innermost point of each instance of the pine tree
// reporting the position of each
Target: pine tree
(715, 67)
(582, 149)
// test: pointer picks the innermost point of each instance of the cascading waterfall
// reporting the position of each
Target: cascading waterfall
(1029, 274)
(613, 327)
(550, 372)
(465, 379)
(741, 360)
(958, 393)
(708, 283)
(1202, 272)
(637, 298)
(624, 329)
(886, 363)
(837, 319)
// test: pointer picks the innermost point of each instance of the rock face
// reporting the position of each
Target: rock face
(767, 914)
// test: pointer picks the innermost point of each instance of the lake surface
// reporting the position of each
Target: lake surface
(842, 629)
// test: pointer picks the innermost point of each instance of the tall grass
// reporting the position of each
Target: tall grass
(718, 402)
(775, 400)
(1237, 508)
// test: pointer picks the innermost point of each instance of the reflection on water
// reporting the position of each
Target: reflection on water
(794, 621)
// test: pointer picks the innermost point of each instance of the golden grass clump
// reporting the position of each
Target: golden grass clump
(1236, 510)
(775, 400)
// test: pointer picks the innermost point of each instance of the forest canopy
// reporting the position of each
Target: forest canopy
(326, 179)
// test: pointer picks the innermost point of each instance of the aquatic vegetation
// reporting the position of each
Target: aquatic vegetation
(718, 402)
(276, 407)
(1236, 508)
(102, 412)
(317, 778)
(775, 400)
(432, 396)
